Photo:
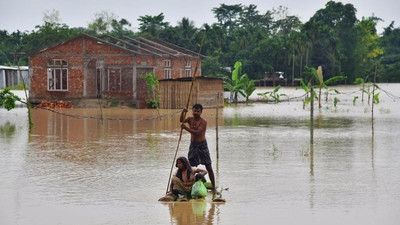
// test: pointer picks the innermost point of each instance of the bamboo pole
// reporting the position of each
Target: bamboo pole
(373, 95)
(372, 119)
(216, 127)
(312, 131)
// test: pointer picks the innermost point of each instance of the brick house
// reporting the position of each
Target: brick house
(86, 67)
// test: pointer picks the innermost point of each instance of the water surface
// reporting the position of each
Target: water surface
(77, 169)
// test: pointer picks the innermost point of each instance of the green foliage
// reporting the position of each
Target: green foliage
(239, 83)
(152, 25)
(355, 99)
(211, 67)
(376, 98)
(307, 89)
(367, 51)
(8, 99)
(335, 101)
(264, 41)
(9, 44)
(236, 71)
(390, 42)
(19, 86)
(359, 81)
(7, 130)
(309, 74)
(272, 95)
(248, 86)
(153, 93)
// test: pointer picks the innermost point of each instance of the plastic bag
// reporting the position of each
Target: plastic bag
(199, 190)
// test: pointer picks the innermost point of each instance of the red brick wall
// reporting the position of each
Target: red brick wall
(82, 53)
(39, 79)
(74, 52)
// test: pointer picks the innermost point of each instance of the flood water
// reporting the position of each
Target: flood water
(75, 168)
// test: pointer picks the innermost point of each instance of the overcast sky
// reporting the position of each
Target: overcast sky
(24, 15)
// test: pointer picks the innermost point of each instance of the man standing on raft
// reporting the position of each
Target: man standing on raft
(198, 150)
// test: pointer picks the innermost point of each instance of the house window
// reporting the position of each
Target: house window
(188, 69)
(167, 69)
(188, 72)
(57, 75)
(114, 79)
(167, 73)
(57, 62)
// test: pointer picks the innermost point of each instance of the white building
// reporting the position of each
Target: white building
(9, 76)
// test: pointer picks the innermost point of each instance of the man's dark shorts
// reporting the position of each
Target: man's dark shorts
(199, 153)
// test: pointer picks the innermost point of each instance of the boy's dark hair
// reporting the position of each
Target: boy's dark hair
(198, 106)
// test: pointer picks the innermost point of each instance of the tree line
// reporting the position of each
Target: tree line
(264, 42)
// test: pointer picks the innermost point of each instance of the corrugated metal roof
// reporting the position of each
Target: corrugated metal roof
(14, 67)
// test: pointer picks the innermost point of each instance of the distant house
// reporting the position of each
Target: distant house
(9, 76)
(86, 67)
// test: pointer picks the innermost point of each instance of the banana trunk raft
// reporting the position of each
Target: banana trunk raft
(182, 198)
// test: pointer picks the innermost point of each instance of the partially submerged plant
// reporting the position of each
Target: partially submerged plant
(272, 94)
(324, 84)
(362, 82)
(306, 88)
(355, 99)
(239, 83)
(335, 101)
(376, 98)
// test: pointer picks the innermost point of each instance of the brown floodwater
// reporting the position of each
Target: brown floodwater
(110, 166)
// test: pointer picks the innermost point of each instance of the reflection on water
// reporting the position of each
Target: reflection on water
(81, 170)
(7, 130)
(192, 212)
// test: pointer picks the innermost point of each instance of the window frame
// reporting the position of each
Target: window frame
(57, 75)
(188, 72)
(167, 73)
(167, 69)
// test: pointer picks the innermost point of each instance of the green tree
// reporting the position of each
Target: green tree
(102, 23)
(228, 15)
(47, 35)
(331, 31)
(152, 25)
(390, 42)
(9, 45)
(367, 49)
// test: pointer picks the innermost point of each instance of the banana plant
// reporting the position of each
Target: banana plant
(248, 86)
(366, 89)
(355, 99)
(239, 83)
(362, 82)
(335, 101)
(272, 94)
(324, 84)
(306, 88)
(331, 81)
(376, 95)
(320, 79)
